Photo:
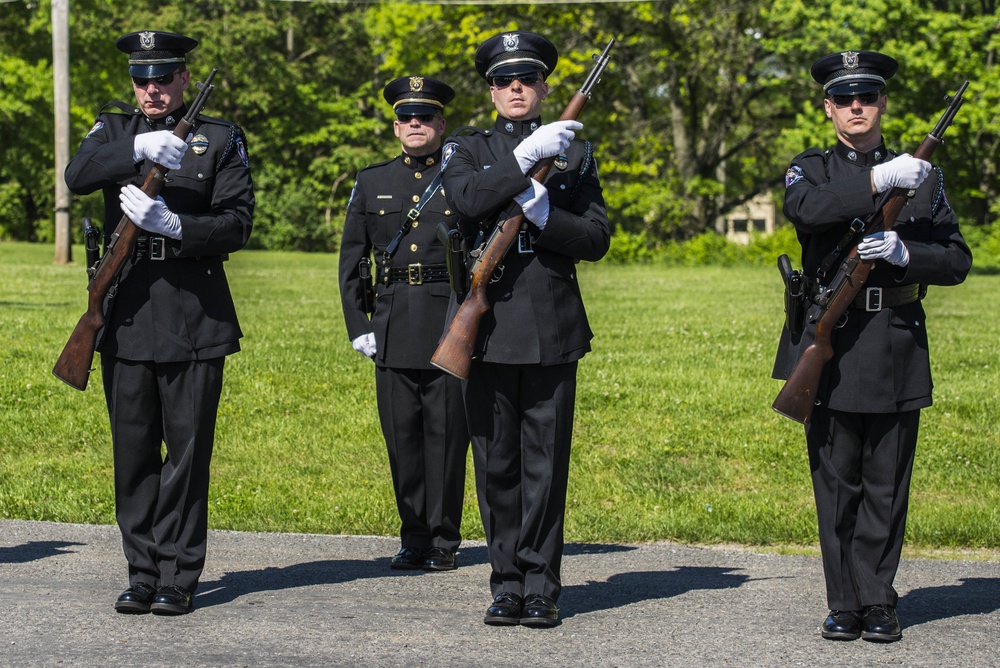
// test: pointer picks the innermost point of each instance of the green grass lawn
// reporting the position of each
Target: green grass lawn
(674, 435)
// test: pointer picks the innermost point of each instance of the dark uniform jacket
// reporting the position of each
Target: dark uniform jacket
(881, 362)
(408, 318)
(179, 308)
(537, 313)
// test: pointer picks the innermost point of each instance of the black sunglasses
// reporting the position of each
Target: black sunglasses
(166, 79)
(423, 118)
(864, 98)
(529, 79)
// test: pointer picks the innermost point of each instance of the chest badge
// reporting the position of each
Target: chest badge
(561, 163)
(199, 144)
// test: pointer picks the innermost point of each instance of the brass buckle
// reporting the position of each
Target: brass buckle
(873, 299)
(415, 274)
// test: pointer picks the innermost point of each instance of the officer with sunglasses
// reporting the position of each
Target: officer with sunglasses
(863, 432)
(171, 321)
(394, 211)
(521, 389)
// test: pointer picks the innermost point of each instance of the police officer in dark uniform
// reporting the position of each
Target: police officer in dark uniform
(171, 320)
(863, 431)
(521, 389)
(420, 406)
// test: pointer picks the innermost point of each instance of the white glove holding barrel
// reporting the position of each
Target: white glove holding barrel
(545, 142)
(904, 171)
(162, 147)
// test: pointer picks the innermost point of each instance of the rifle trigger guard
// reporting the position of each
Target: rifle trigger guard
(497, 274)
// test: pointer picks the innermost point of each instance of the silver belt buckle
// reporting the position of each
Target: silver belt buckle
(415, 274)
(873, 299)
(524, 245)
(157, 248)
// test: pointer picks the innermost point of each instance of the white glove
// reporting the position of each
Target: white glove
(365, 344)
(547, 141)
(884, 246)
(904, 171)
(162, 147)
(150, 214)
(534, 202)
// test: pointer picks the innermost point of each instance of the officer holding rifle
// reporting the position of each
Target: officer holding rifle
(170, 322)
(863, 431)
(521, 388)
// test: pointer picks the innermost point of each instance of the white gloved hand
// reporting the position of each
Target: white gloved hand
(904, 171)
(365, 344)
(162, 147)
(547, 141)
(150, 214)
(534, 202)
(884, 246)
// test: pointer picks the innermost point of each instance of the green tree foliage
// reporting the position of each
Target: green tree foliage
(704, 105)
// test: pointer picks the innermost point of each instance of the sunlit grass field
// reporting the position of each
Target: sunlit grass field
(674, 435)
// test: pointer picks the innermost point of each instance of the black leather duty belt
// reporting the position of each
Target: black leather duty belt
(155, 248)
(415, 274)
(876, 299)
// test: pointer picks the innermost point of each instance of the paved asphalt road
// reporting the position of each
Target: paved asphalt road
(308, 600)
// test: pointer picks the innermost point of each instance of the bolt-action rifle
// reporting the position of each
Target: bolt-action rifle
(798, 396)
(454, 352)
(74, 364)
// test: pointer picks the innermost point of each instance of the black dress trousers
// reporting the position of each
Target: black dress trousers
(521, 448)
(162, 504)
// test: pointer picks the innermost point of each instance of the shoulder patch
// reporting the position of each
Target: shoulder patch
(793, 175)
(97, 126)
(446, 153)
(241, 150)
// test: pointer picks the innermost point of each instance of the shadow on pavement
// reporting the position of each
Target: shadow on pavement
(35, 550)
(974, 596)
(626, 588)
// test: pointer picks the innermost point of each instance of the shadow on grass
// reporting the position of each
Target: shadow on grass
(35, 550)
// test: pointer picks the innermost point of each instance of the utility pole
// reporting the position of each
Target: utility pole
(60, 76)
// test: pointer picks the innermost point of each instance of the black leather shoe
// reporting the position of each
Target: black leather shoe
(539, 611)
(172, 600)
(842, 625)
(407, 559)
(439, 559)
(505, 611)
(880, 624)
(135, 600)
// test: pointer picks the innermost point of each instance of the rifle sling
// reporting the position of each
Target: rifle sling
(411, 217)
(852, 237)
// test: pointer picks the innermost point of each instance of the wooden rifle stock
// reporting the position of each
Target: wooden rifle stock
(798, 396)
(74, 364)
(454, 352)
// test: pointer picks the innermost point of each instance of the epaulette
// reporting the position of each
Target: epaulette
(119, 108)
(376, 164)
(468, 130)
(216, 121)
